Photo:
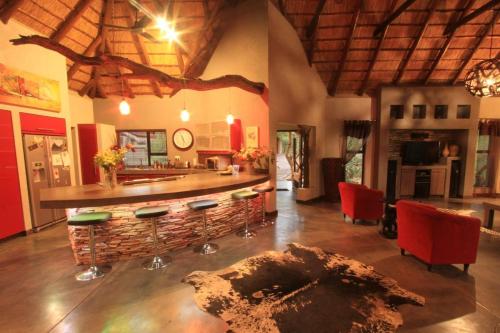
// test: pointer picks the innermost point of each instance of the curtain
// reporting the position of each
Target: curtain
(491, 127)
(359, 129)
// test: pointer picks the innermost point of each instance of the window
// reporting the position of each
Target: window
(397, 111)
(463, 111)
(354, 168)
(150, 147)
(482, 152)
(441, 112)
(419, 111)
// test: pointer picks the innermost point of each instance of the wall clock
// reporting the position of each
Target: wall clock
(183, 139)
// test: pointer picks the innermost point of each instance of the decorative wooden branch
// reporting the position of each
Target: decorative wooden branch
(139, 71)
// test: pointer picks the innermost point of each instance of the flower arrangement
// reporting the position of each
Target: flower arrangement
(259, 158)
(112, 158)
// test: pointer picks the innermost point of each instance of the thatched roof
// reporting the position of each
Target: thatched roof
(78, 24)
(423, 44)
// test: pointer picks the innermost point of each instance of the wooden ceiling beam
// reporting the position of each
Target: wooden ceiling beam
(466, 4)
(73, 16)
(414, 46)
(395, 14)
(364, 84)
(9, 8)
(311, 31)
(481, 39)
(141, 49)
(335, 78)
(464, 19)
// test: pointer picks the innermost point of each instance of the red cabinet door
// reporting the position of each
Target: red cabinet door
(10, 194)
(87, 137)
(43, 125)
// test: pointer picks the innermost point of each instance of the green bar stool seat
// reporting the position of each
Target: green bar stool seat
(90, 220)
(153, 213)
(203, 205)
(262, 190)
(245, 195)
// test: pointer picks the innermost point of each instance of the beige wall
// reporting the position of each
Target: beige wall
(296, 94)
(489, 107)
(37, 60)
(431, 96)
(242, 50)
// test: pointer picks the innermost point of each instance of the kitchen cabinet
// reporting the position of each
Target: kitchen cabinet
(407, 182)
(438, 180)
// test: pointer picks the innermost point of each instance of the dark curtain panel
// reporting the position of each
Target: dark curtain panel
(305, 133)
(357, 129)
(489, 127)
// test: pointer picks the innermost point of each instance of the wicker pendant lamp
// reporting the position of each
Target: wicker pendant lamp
(483, 80)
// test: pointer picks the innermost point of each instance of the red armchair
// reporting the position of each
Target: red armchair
(437, 237)
(360, 202)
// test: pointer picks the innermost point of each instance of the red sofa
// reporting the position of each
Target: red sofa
(360, 202)
(435, 236)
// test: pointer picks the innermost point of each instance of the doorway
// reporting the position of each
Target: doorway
(287, 160)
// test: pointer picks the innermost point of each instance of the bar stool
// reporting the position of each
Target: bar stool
(203, 205)
(154, 213)
(245, 195)
(262, 190)
(90, 220)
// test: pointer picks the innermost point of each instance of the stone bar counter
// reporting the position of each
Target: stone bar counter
(125, 237)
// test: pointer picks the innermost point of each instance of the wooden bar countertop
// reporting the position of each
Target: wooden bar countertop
(191, 186)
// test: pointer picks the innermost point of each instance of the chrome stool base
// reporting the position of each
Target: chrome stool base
(92, 273)
(157, 263)
(246, 234)
(207, 248)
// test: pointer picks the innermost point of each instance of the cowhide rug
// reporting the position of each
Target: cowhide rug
(303, 289)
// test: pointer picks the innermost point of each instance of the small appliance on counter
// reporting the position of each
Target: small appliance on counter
(212, 163)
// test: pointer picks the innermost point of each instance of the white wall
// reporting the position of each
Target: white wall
(430, 96)
(242, 50)
(36, 60)
(296, 94)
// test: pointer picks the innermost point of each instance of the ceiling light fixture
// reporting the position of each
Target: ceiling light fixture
(483, 80)
(124, 107)
(167, 29)
(230, 119)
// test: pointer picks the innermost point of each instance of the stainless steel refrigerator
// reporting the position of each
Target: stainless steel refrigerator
(47, 165)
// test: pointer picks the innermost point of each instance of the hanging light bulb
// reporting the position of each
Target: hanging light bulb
(230, 119)
(185, 115)
(124, 108)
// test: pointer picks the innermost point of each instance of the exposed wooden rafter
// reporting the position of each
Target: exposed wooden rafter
(416, 42)
(9, 8)
(464, 19)
(335, 77)
(143, 72)
(311, 30)
(466, 5)
(141, 49)
(484, 34)
(380, 41)
(90, 50)
(394, 15)
(73, 16)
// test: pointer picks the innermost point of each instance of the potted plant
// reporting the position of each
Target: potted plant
(110, 161)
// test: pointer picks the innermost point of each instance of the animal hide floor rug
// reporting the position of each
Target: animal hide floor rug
(303, 289)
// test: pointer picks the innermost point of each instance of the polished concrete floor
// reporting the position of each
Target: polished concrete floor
(38, 292)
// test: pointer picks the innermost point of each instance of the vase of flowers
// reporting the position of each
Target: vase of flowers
(110, 161)
(254, 160)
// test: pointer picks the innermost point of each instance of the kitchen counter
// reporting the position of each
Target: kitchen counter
(189, 186)
(169, 171)
(125, 237)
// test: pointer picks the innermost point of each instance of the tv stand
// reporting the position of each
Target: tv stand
(424, 180)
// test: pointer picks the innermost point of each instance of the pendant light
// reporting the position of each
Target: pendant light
(230, 117)
(185, 116)
(124, 107)
(483, 80)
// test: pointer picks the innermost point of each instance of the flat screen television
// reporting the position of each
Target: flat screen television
(421, 152)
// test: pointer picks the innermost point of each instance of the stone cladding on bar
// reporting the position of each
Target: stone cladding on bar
(125, 237)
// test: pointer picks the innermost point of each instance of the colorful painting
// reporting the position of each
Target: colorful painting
(252, 137)
(29, 90)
